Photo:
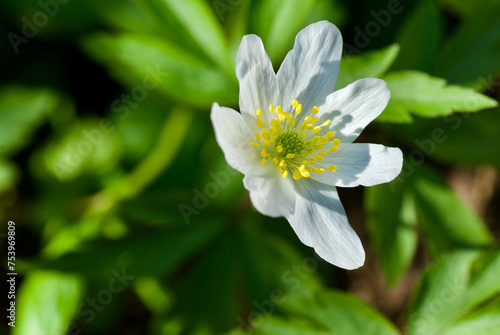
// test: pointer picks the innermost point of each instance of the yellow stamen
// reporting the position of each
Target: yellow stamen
(333, 149)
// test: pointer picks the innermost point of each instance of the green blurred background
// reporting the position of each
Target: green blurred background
(129, 221)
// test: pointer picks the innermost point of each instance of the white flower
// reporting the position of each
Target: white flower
(293, 139)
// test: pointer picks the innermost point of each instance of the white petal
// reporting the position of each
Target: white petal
(271, 195)
(352, 108)
(320, 222)
(234, 137)
(309, 72)
(361, 164)
(258, 83)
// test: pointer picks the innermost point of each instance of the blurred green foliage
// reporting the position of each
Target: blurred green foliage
(128, 220)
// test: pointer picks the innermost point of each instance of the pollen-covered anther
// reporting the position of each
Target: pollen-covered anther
(298, 109)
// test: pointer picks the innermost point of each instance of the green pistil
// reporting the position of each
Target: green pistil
(291, 141)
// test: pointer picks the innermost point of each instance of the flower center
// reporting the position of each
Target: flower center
(290, 141)
(295, 149)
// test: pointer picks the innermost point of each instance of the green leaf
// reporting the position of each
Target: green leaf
(469, 141)
(153, 295)
(22, 111)
(199, 21)
(420, 37)
(8, 175)
(324, 312)
(471, 55)
(371, 64)
(154, 253)
(87, 146)
(279, 326)
(277, 22)
(46, 303)
(391, 218)
(451, 289)
(334, 11)
(446, 221)
(146, 61)
(463, 7)
(427, 96)
(127, 16)
(247, 272)
(339, 313)
(484, 321)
